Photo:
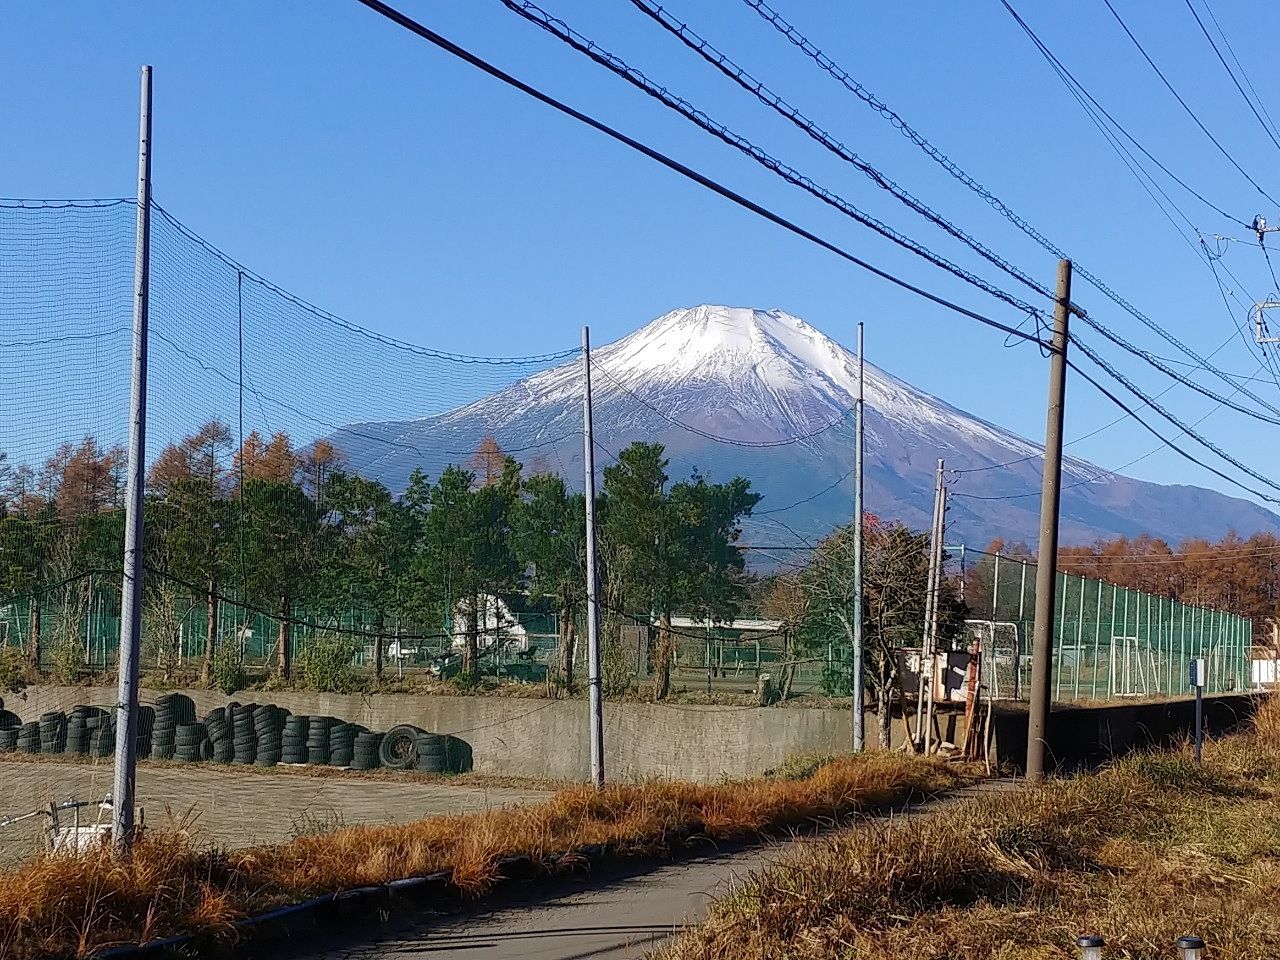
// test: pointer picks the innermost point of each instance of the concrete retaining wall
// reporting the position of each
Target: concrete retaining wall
(548, 738)
(1084, 737)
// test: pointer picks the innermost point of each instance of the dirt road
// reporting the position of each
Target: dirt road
(235, 808)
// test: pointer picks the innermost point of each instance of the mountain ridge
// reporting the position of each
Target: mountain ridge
(764, 394)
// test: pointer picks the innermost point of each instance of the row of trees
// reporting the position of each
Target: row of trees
(817, 605)
(280, 530)
(1233, 573)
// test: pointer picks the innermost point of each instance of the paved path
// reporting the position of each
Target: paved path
(234, 808)
(618, 915)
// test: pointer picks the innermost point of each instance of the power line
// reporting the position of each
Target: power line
(756, 88)
(1177, 96)
(1168, 416)
(729, 441)
(843, 77)
(566, 34)
(1101, 474)
(1080, 439)
(1231, 74)
(676, 166)
(1227, 43)
(1133, 164)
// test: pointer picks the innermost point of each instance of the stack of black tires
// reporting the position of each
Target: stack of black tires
(53, 731)
(365, 751)
(10, 724)
(244, 739)
(217, 726)
(102, 740)
(260, 734)
(318, 730)
(172, 710)
(79, 731)
(29, 737)
(268, 729)
(342, 743)
(191, 743)
(293, 741)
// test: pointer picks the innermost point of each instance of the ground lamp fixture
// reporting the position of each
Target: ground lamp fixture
(1091, 945)
(1191, 948)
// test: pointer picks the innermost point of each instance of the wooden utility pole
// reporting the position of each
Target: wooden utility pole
(1047, 552)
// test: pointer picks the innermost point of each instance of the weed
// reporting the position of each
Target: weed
(1147, 849)
(228, 670)
(74, 906)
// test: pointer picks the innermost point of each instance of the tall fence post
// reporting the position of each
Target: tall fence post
(122, 793)
(594, 691)
(858, 718)
(1047, 552)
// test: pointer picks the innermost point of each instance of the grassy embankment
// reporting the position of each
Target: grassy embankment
(1147, 850)
(72, 906)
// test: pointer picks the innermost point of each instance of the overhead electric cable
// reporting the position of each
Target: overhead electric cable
(676, 166)
(566, 34)
(1101, 473)
(1186, 428)
(756, 88)
(1131, 162)
(1231, 74)
(562, 31)
(1227, 43)
(843, 77)
(1087, 436)
(1177, 96)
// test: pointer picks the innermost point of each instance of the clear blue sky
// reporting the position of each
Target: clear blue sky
(370, 173)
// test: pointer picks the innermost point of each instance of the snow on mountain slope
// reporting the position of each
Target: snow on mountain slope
(757, 378)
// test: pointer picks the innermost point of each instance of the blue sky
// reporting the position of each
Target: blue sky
(371, 174)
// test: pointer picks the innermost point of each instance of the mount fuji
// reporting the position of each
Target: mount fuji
(763, 394)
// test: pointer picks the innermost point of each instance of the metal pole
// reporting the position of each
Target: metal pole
(858, 718)
(596, 721)
(1111, 647)
(933, 622)
(1047, 555)
(1021, 633)
(1075, 687)
(935, 538)
(1182, 634)
(1062, 632)
(995, 587)
(122, 792)
(1097, 636)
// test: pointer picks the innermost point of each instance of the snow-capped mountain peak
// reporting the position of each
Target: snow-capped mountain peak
(763, 394)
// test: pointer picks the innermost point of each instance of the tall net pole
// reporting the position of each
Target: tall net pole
(596, 722)
(858, 718)
(131, 592)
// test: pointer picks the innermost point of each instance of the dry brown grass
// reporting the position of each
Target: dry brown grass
(73, 906)
(1145, 851)
(312, 771)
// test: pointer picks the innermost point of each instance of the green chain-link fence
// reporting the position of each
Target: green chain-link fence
(1109, 641)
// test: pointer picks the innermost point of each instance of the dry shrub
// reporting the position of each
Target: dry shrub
(75, 906)
(1151, 848)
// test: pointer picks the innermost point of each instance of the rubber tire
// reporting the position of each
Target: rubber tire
(399, 747)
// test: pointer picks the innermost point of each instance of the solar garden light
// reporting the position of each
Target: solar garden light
(1091, 945)
(1191, 948)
